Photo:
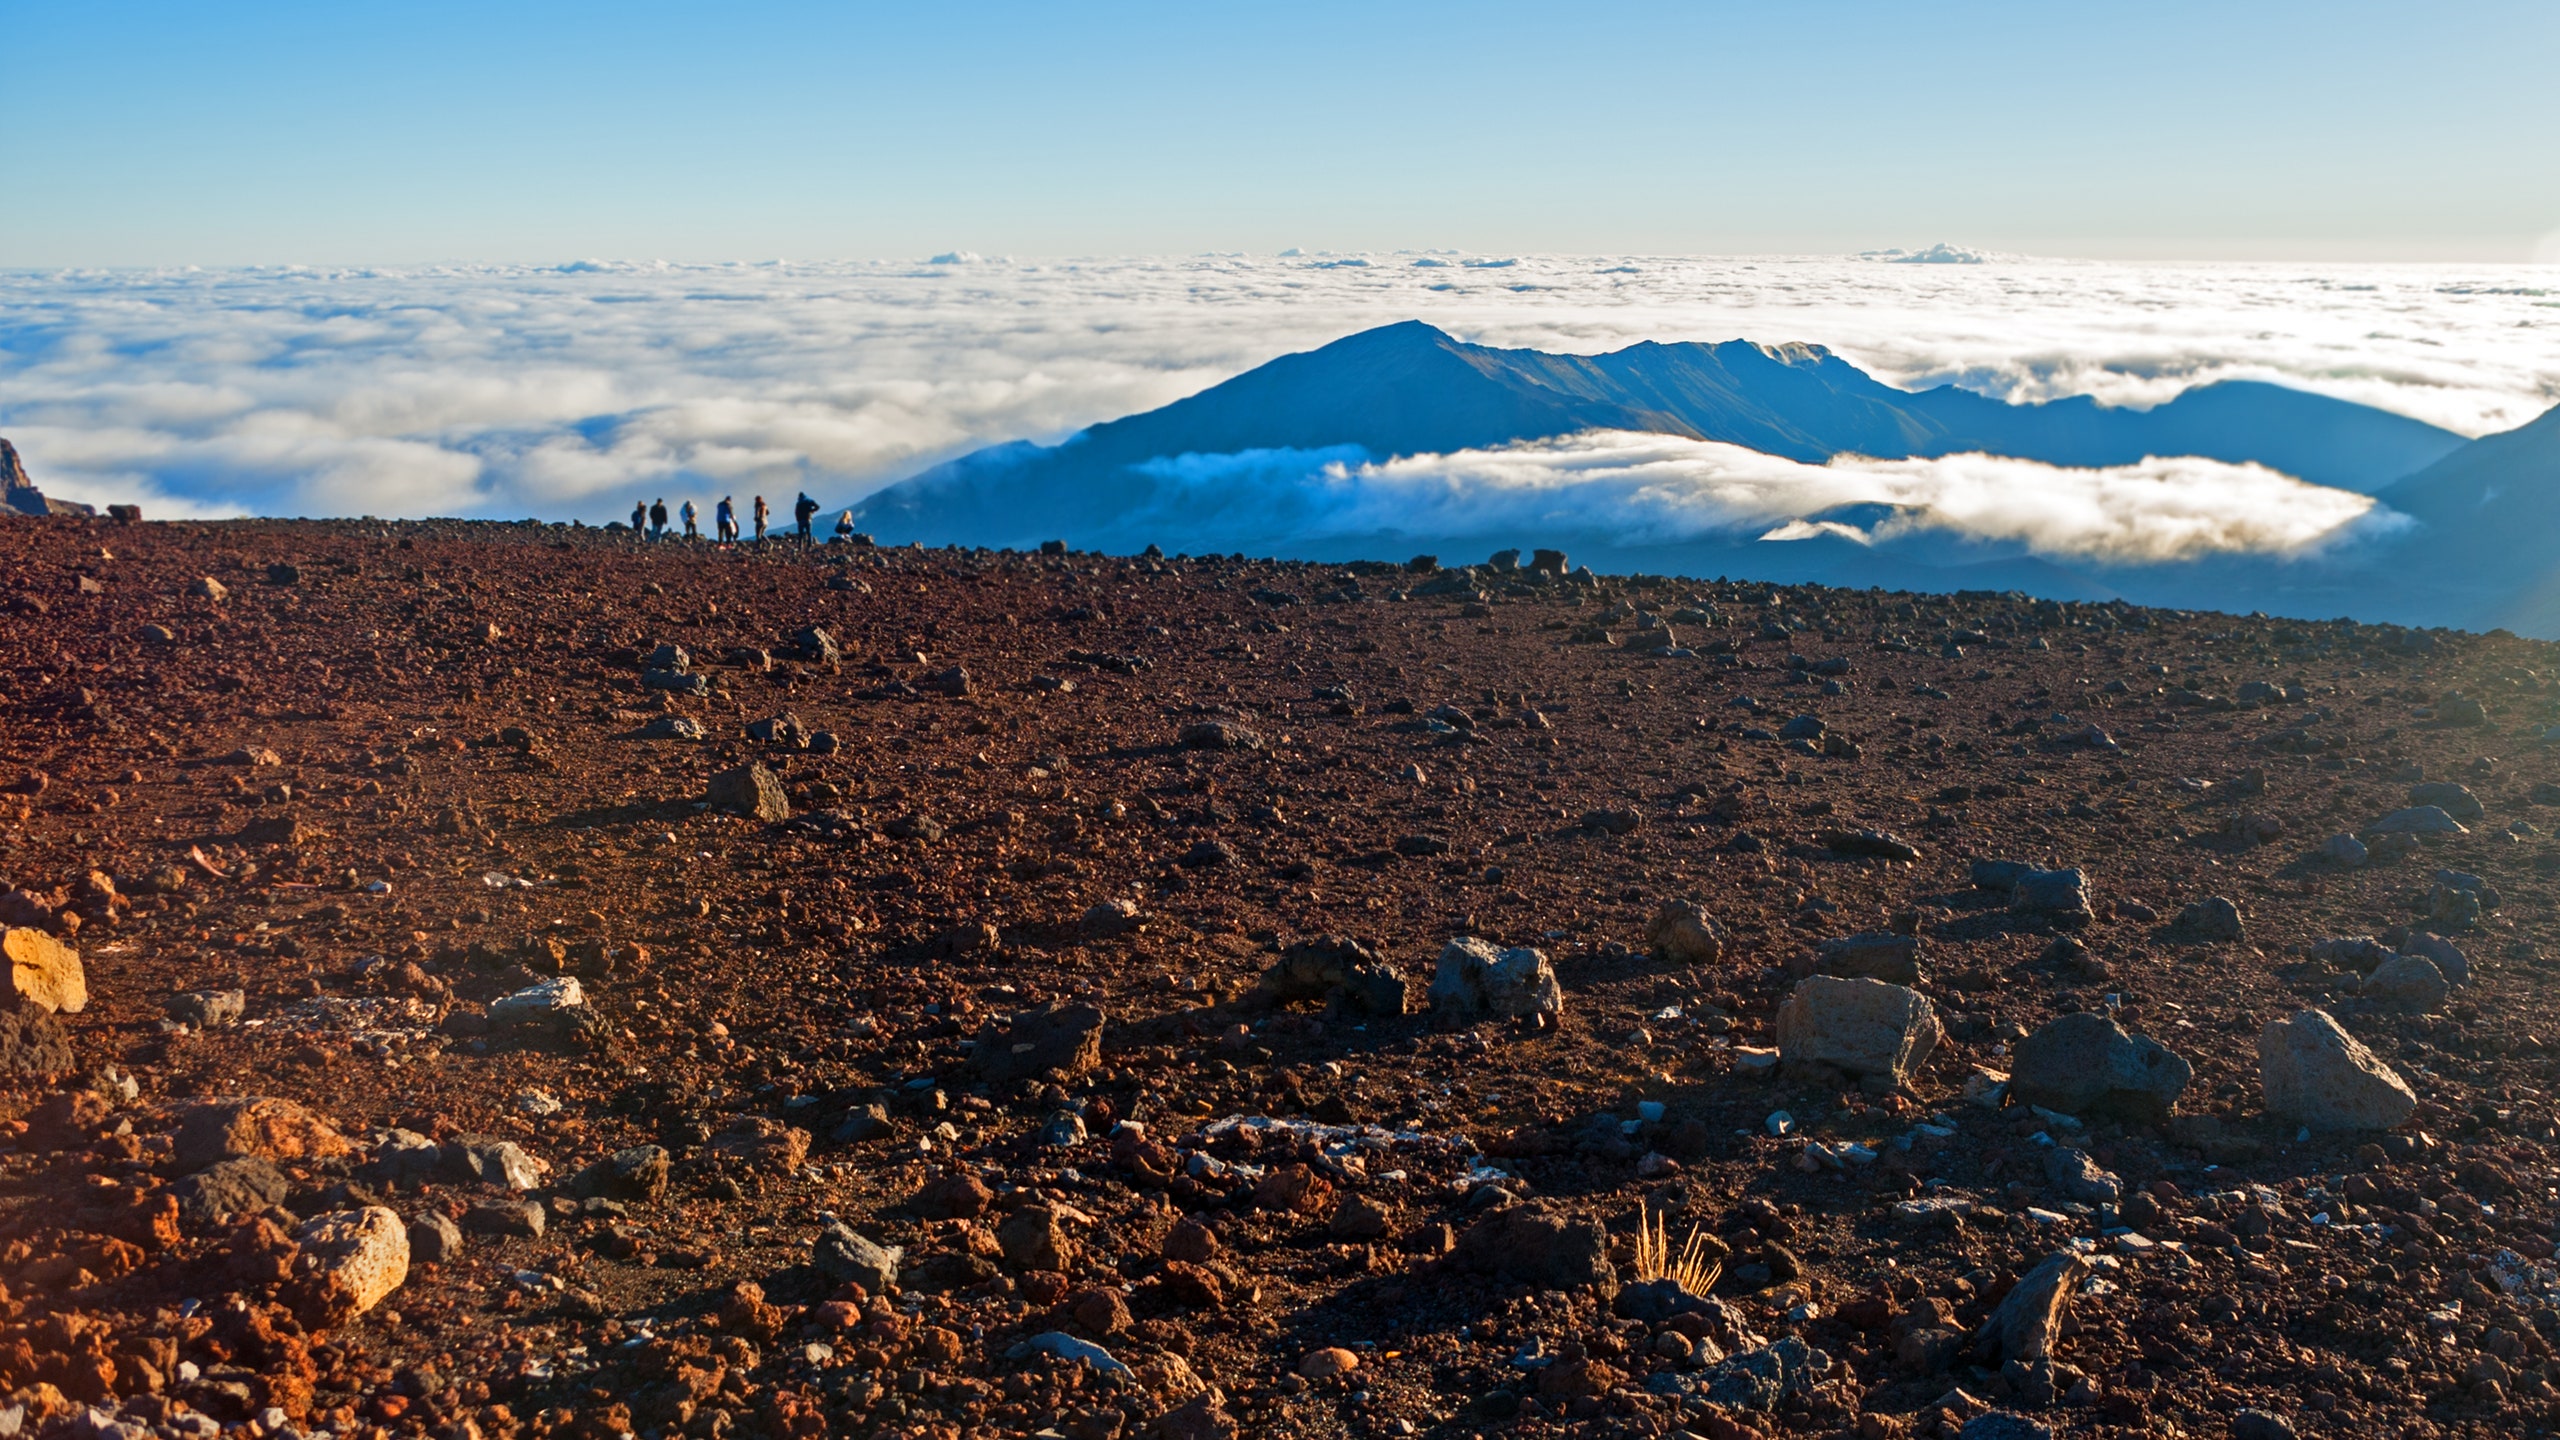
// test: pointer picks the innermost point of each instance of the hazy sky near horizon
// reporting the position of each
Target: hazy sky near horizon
(402, 133)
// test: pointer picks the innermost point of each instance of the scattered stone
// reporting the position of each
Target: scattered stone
(262, 1126)
(673, 727)
(1542, 1244)
(2417, 820)
(2028, 1323)
(1330, 1363)
(1477, 980)
(2407, 982)
(524, 1218)
(638, 1174)
(349, 1260)
(547, 1002)
(42, 973)
(1340, 969)
(1033, 1239)
(2059, 897)
(1219, 735)
(2317, 1074)
(211, 1197)
(1681, 933)
(502, 1163)
(2080, 1178)
(1763, 1379)
(750, 790)
(2212, 919)
(34, 1042)
(1058, 1041)
(2087, 1065)
(1894, 959)
(2446, 957)
(845, 1256)
(2344, 850)
(208, 1009)
(434, 1239)
(1865, 1027)
(2453, 799)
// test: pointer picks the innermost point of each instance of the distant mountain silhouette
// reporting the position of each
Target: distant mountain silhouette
(2487, 548)
(1241, 466)
(1410, 389)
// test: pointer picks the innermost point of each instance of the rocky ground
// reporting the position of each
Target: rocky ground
(496, 980)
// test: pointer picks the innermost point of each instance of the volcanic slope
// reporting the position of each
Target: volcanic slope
(981, 1064)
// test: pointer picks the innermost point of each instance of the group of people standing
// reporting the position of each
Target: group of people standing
(650, 520)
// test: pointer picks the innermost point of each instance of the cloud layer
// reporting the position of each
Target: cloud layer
(1633, 490)
(573, 390)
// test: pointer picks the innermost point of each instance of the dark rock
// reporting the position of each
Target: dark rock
(750, 790)
(434, 1239)
(1060, 1041)
(1219, 735)
(215, 1194)
(1542, 1244)
(2086, 1064)
(1873, 956)
(2212, 919)
(34, 1042)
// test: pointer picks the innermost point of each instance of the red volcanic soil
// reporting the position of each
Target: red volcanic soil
(1060, 1032)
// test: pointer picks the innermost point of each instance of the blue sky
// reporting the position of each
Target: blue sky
(387, 133)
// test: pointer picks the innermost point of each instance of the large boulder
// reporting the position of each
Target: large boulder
(2407, 982)
(1476, 980)
(1682, 933)
(750, 790)
(349, 1260)
(42, 973)
(1542, 1244)
(259, 1125)
(1058, 1041)
(2086, 1064)
(1865, 1027)
(2317, 1074)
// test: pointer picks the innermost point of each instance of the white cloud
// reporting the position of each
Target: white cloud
(1636, 490)
(567, 390)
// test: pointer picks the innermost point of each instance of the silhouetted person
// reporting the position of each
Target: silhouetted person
(691, 530)
(804, 511)
(762, 512)
(658, 520)
(640, 518)
(724, 519)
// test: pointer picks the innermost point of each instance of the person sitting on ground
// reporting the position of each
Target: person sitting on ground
(844, 527)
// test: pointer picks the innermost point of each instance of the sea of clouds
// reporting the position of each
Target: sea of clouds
(1644, 490)
(572, 391)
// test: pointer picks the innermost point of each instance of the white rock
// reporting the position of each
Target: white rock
(351, 1259)
(2314, 1072)
(1865, 1027)
(536, 1003)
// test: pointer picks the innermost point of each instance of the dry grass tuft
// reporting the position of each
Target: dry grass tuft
(1693, 1269)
